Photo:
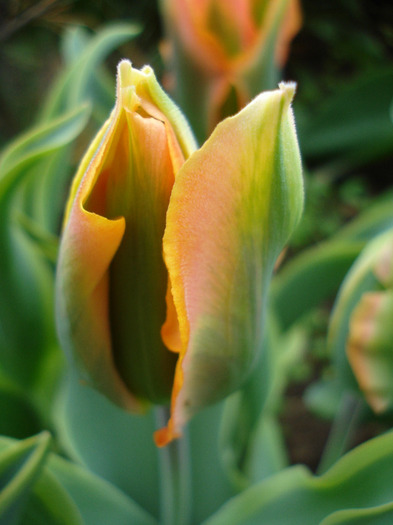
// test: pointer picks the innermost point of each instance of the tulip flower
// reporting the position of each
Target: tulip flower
(226, 52)
(167, 252)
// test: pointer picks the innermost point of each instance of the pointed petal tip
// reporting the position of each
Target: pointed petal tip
(164, 436)
(288, 89)
(123, 69)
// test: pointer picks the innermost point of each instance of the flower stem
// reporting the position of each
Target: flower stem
(175, 477)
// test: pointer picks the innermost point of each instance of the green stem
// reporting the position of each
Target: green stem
(175, 477)
(344, 425)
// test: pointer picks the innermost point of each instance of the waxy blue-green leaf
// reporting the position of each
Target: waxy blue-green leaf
(123, 443)
(20, 465)
(316, 273)
(75, 82)
(65, 494)
(359, 484)
(99, 502)
(35, 144)
(18, 416)
(123, 446)
(50, 503)
(25, 277)
(81, 80)
(251, 442)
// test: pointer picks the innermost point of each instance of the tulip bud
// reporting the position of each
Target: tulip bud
(131, 315)
(370, 338)
(111, 278)
(226, 52)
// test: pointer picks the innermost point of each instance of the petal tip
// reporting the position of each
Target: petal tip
(288, 89)
(164, 436)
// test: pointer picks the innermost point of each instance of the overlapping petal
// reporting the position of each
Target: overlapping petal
(112, 280)
(233, 206)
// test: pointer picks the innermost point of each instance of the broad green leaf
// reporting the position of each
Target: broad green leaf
(311, 277)
(74, 41)
(360, 483)
(46, 242)
(82, 80)
(50, 504)
(35, 144)
(99, 502)
(316, 273)
(18, 417)
(76, 81)
(380, 515)
(211, 485)
(251, 444)
(123, 444)
(66, 494)
(20, 464)
(125, 455)
(377, 218)
(25, 276)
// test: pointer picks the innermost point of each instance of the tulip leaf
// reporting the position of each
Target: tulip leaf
(357, 487)
(380, 515)
(123, 443)
(80, 81)
(374, 220)
(73, 86)
(316, 273)
(252, 446)
(25, 276)
(35, 144)
(210, 484)
(123, 446)
(311, 277)
(73, 42)
(66, 494)
(18, 417)
(98, 501)
(50, 503)
(47, 243)
(20, 465)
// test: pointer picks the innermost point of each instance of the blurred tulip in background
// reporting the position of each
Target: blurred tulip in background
(223, 53)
